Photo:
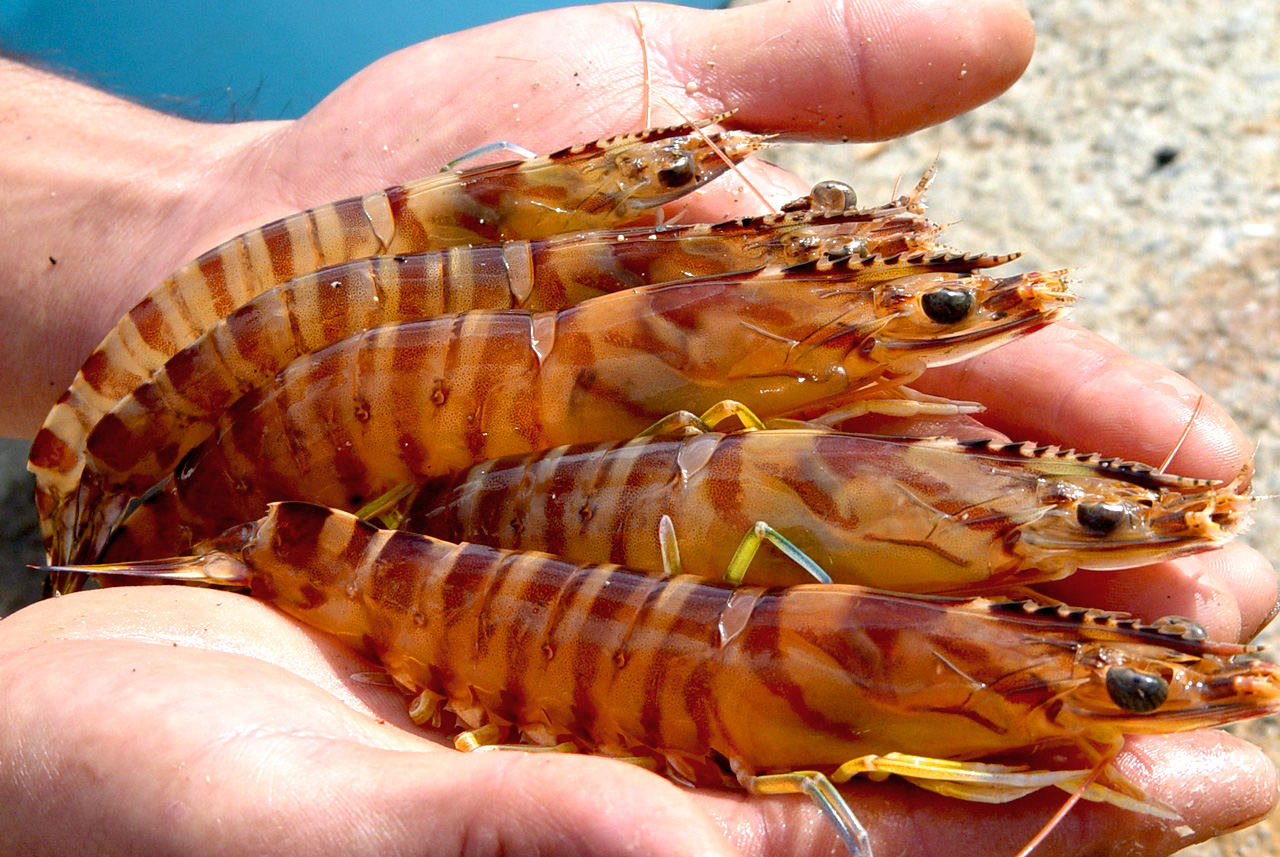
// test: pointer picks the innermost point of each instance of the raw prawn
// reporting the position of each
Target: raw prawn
(149, 429)
(904, 514)
(415, 400)
(775, 690)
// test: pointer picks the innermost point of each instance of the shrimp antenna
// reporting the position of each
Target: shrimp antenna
(1246, 477)
(723, 156)
(644, 60)
(1066, 807)
(1185, 432)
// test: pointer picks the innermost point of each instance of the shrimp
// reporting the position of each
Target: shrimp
(904, 514)
(774, 690)
(149, 429)
(601, 184)
(414, 400)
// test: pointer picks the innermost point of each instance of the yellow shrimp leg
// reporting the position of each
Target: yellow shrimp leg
(898, 401)
(751, 542)
(682, 423)
(388, 509)
(487, 737)
(989, 783)
(821, 790)
(669, 548)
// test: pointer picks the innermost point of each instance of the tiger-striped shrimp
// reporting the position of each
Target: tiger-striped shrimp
(149, 429)
(595, 185)
(404, 402)
(780, 690)
(905, 514)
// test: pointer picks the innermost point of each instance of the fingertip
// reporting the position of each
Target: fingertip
(1216, 782)
(853, 69)
(1250, 577)
(1067, 385)
(1179, 587)
(943, 58)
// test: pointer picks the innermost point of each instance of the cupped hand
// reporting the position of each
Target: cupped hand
(159, 720)
(166, 720)
(822, 69)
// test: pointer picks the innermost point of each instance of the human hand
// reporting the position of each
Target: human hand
(385, 788)
(231, 729)
(116, 226)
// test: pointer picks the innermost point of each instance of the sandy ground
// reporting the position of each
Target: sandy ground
(1143, 147)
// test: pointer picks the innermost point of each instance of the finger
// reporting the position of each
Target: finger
(1231, 592)
(240, 754)
(824, 69)
(903, 819)
(1068, 386)
(853, 70)
(1244, 779)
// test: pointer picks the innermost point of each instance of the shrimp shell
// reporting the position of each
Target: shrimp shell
(149, 429)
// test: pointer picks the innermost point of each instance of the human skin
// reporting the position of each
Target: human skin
(163, 720)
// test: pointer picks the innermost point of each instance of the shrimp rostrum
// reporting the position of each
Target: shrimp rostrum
(775, 690)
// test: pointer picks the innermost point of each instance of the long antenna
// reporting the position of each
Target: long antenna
(1066, 807)
(644, 59)
(1185, 432)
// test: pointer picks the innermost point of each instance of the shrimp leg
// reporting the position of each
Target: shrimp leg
(820, 788)
(984, 782)
(750, 544)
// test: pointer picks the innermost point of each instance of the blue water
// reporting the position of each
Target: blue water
(249, 59)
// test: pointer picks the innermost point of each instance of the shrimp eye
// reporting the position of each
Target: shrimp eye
(1136, 692)
(1181, 626)
(678, 173)
(1100, 519)
(947, 306)
(833, 196)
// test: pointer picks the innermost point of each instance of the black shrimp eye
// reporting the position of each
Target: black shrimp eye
(1136, 692)
(1100, 519)
(678, 173)
(947, 306)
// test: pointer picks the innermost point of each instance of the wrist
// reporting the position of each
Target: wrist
(103, 199)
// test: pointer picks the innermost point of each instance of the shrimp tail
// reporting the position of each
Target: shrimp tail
(214, 569)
